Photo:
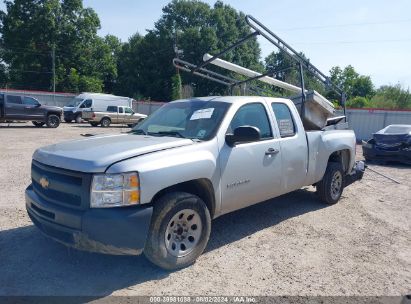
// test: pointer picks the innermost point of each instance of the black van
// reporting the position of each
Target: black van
(17, 108)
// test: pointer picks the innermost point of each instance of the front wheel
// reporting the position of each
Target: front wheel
(78, 118)
(38, 124)
(330, 188)
(53, 121)
(179, 230)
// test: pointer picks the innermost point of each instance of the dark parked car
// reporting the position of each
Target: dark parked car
(393, 143)
(17, 108)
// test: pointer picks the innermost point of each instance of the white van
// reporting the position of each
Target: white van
(93, 101)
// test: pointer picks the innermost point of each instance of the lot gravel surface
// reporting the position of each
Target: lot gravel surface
(291, 245)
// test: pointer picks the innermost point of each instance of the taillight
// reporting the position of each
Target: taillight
(94, 115)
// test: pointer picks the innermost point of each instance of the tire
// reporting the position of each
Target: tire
(78, 118)
(67, 120)
(330, 188)
(131, 125)
(38, 124)
(105, 122)
(53, 121)
(94, 124)
(179, 231)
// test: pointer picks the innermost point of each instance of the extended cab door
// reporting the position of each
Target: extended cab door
(251, 172)
(293, 143)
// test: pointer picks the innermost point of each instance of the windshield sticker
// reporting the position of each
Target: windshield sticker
(202, 114)
(201, 133)
(286, 127)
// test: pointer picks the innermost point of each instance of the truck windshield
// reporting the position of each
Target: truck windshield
(75, 102)
(195, 119)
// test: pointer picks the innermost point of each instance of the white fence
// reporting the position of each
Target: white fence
(146, 107)
(365, 122)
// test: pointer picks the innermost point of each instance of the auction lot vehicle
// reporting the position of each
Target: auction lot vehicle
(113, 115)
(18, 108)
(92, 101)
(156, 189)
(393, 143)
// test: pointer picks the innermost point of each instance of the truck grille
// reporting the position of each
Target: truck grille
(61, 187)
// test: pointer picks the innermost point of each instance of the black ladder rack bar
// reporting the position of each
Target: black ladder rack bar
(283, 46)
(213, 76)
(241, 41)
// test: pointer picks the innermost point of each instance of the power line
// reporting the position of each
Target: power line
(343, 25)
(354, 42)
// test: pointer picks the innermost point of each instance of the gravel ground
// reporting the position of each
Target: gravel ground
(291, 245)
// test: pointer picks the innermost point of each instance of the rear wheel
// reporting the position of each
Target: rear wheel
(38, 124)
(105, 122)
(53, 121)
(179, 230)
(330, 188)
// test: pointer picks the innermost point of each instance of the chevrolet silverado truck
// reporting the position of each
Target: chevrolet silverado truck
(113, 115)
(156, 189)
(25, 108)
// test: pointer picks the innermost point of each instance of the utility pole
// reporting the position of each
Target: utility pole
(53, 56)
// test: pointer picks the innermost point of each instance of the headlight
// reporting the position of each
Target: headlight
(114, 190)
(367, 145)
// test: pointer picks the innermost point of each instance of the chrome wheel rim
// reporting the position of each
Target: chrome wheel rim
(183, 232)
(336, 185)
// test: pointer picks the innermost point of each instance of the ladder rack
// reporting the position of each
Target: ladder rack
(259, 29)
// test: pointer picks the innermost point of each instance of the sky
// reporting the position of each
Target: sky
(374, 36)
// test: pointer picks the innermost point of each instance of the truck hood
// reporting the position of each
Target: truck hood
(52, 108)
(95, 154)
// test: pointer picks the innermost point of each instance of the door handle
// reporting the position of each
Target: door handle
(272, 151)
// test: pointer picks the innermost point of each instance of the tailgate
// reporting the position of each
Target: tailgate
(87, 114)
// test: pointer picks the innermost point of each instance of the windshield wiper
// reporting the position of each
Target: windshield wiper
(172, 133)
(139, 131)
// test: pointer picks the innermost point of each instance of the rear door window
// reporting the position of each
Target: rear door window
(14, 99)
(284, 119)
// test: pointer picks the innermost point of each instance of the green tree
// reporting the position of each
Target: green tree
(392, 97)
(195, 28)
(176, 87)
(30, 30)
(352, 82)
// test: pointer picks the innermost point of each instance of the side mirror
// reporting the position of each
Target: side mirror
(243, 134)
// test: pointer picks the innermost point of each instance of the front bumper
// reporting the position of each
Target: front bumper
(120, 231)
(373, 153)
(69, 115)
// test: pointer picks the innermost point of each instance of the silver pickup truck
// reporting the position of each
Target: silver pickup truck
(113, 115)
(156, 189)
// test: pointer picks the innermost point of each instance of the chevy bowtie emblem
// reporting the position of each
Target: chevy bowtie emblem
(44, 182)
